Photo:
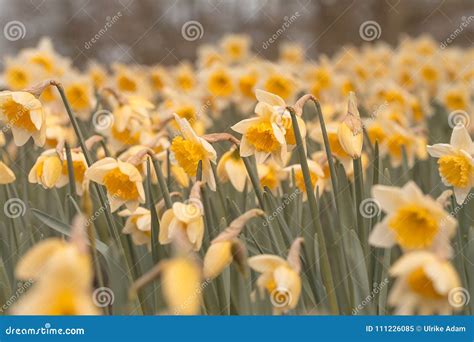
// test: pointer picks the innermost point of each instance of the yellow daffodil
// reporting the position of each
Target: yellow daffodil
(122, 180)
(279, 277)
(456, 164)
(220, 82)
(336, 148)
(79, 91)
(185, 78)
(456, 97)
(270, 132)
(291, 53)
(138, 156)
(17, 75)
(235, 47)
(316, 175)
(414, 221)
(23, 113)
(270, 175)
(280, 84)
(62, 275)
(181, 285)
(44, 57)
(47, 169)
(184, 217)
(350, 130)
(232, 168)
(188, 149)
(79, 167)
(6, 174)
(425, 285)
(208, 55)
(97, 74)
(138, 225)
(226, 247)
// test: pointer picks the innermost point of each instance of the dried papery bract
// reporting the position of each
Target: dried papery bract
(217, 137)
(226, 247)
(294, 253)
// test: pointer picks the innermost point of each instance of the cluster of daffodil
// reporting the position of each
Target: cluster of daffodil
(240, 185)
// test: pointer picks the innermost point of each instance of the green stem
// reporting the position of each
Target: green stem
(163, 186)
(359, 196)
(327, 147)
(325, 266)
(255, 182)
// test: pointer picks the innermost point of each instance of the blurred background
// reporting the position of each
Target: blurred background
(151, 31)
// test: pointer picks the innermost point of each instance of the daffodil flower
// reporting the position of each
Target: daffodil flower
(138, 225)
(23, 113)
(456, 164)
(79, 167)
(181, 285)
(350, 130)
(6, 174)
(232, 168)
(62, 275)
(47, 169)
(414, 221)
(425, 283)
(122, 180)
(267, 134)
(184, 217)
(188, 149)
(279, 277)
(226, 247)
(316, 176)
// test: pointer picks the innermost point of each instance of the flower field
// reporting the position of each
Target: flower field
(238, 185)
